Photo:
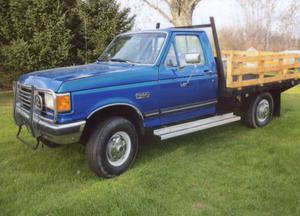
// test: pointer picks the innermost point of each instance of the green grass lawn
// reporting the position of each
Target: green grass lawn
(229, 170)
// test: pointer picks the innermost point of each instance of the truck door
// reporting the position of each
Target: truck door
(187, 81)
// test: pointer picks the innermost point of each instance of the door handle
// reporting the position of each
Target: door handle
(184, 84)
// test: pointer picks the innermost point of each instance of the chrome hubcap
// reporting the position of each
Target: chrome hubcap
(263, 110)
(118, 148)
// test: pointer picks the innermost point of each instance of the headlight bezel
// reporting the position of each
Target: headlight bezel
(48, 111)
(58, 102)
(51, 102)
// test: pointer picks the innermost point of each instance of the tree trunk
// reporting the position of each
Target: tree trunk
(182, 12)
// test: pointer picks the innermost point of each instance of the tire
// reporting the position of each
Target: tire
(259, 111)
(112, 147)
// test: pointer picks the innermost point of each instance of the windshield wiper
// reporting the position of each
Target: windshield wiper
(102, 60)
(120, 60)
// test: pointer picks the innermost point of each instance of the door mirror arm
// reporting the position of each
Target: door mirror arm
(180, 67)
(184, 84)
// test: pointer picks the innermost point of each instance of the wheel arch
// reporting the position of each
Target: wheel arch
(126, 110)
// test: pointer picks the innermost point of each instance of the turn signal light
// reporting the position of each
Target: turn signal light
(63, 103)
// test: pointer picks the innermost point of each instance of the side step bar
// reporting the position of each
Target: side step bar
(194, 126)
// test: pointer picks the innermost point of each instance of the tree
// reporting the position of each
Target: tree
(266, 25)
(289, 21)
(38, 29)
(5, 30)
(101, 21)
(181, 11)
(40, 34)
(259, 19)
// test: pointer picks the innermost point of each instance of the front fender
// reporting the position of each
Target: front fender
(85, 103)
(115, 102)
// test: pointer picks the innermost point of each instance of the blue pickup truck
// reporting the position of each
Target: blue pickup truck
(167, 81)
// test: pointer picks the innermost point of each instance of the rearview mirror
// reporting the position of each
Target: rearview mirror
(193, 58)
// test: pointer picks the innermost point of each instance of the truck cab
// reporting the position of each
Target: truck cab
(165, 80)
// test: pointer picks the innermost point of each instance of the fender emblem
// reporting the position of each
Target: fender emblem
(142, 95)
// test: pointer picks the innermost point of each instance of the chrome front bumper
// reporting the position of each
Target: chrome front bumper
(40, 127)
(56, 133)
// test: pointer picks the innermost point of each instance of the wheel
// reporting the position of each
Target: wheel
(112, 148)
(259, 111)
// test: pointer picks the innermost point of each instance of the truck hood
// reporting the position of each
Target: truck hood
(88, 76)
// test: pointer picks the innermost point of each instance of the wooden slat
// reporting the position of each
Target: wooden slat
(269, 67)
(264, 57)
(246, 53)
(258, 70)
(254, 82)
(229, 70)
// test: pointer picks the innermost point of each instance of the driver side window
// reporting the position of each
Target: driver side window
(188, 45)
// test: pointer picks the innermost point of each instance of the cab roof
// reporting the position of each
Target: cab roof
(168, 30)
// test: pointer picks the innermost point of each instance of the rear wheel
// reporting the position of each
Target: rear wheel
(112, 148)
(259, 110)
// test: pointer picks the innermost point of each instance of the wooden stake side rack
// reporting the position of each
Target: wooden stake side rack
(252, 68)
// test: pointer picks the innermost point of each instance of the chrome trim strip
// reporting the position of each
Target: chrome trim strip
(151, 114)
(187, 107)
(117, 104)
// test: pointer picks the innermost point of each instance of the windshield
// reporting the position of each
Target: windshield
(142, 48)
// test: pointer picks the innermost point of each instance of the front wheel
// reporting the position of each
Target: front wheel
(259, 111)
(112, 148)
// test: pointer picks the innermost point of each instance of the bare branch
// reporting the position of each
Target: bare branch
(167, 2)
(194, 3)
(159, 11)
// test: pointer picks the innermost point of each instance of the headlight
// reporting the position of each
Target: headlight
(49, 101)
(62, 102)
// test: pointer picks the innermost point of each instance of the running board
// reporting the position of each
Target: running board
(194, 126)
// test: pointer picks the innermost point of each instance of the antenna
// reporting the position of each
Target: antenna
(157, 25)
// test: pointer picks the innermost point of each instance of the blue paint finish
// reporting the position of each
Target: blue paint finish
(202, 86)
(125, 75)
(40, 81)
(87, 101)
(185, 115)
(102, 84)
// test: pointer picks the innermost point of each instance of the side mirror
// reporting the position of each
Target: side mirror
(193, 58)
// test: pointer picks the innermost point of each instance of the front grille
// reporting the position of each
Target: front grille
(23, 101)
(24, 97)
